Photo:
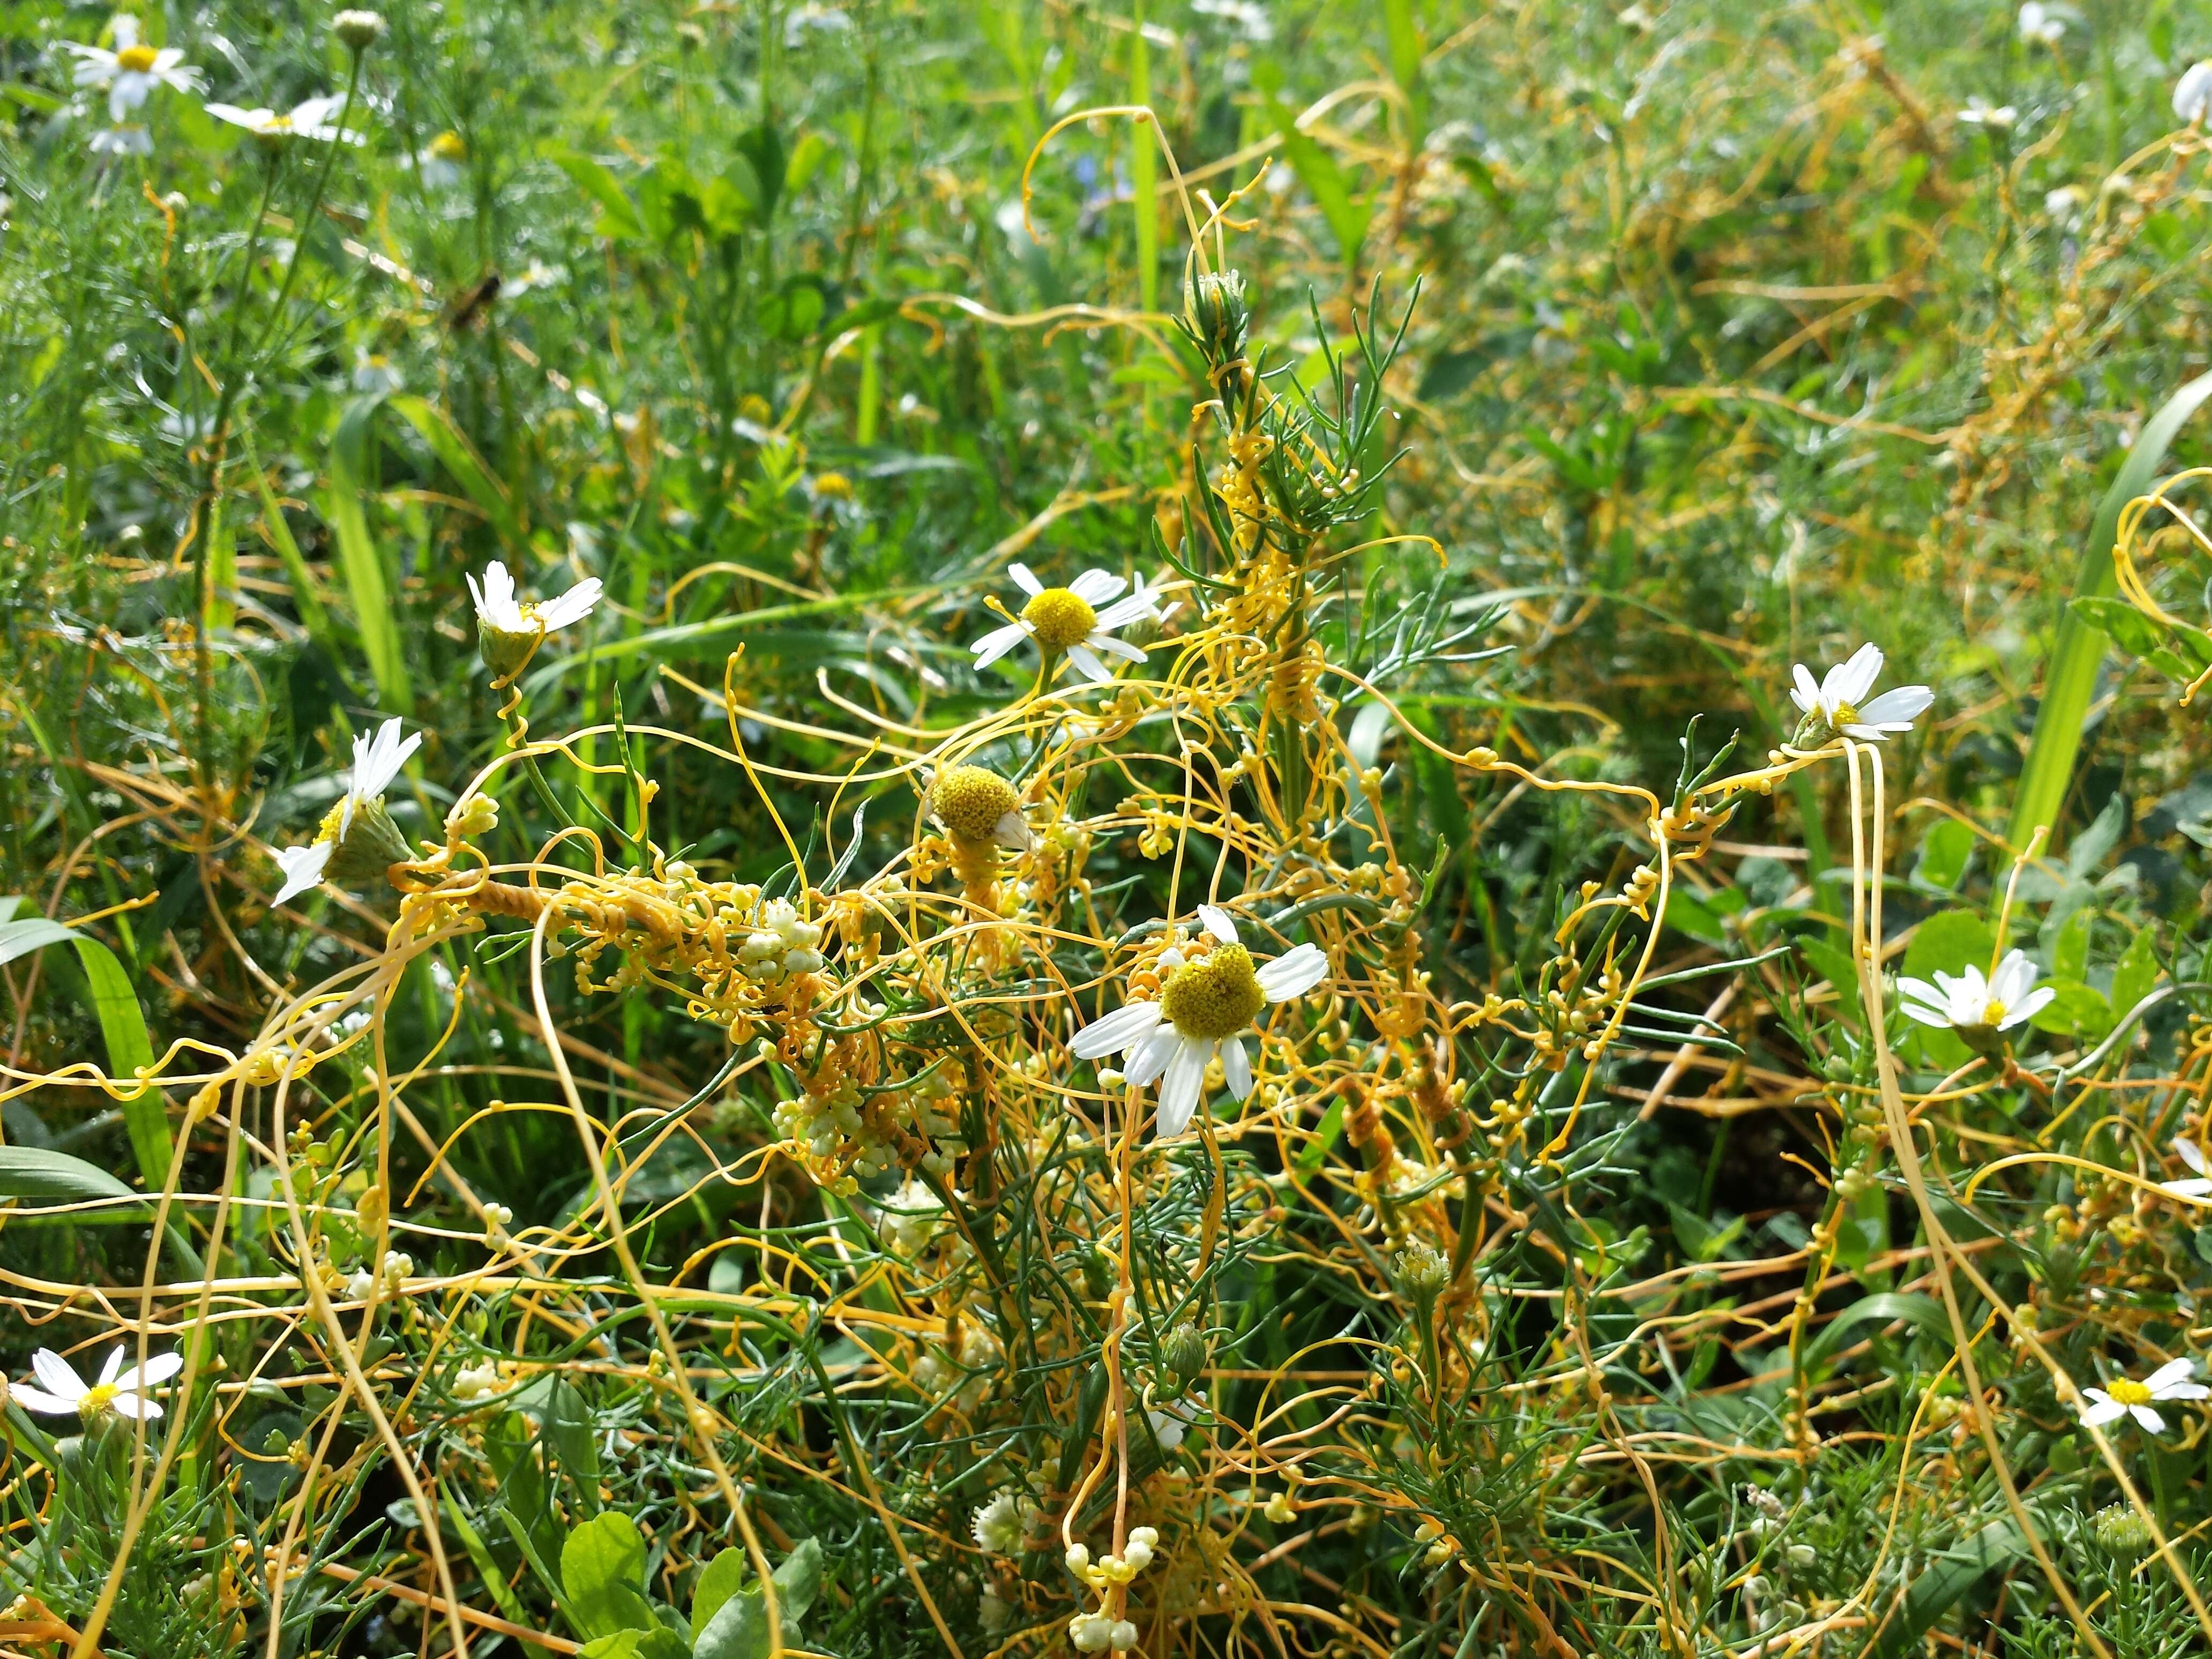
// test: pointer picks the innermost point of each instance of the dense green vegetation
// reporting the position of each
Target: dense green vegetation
(639, 1169)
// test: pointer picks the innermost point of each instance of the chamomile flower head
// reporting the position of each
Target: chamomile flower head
(1837, 705)
(2192, 93)
(508, 629)
(974, 805)
(1974, 1007)
(311, 118)
(62, 1393)
(357, 840)
(129, 72)
(1980, 113)
(2040, 25)
(443, 163)
(1205, 1006)
(127, 139)
(1076, 622)
(2124, 1397)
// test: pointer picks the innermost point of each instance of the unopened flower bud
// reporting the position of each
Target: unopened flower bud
(360, 30)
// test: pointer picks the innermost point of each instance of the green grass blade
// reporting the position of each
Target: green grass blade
(2071, 679)
(460, 458)
(359, 558)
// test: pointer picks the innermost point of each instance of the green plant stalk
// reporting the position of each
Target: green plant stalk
(1142, 163)
(2072, 680)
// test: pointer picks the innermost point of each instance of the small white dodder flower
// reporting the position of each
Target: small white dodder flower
(1976, 1009)
(358, 841)
(509, 629)
(1205, 1004)
(1836, 706)
(1000, 1524)
(130, 73)
(2126, 1397)
(63, 1392)
(1068, 620)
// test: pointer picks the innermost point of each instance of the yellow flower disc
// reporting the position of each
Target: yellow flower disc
(1061, 618)
(1217, 996)
(969, 800)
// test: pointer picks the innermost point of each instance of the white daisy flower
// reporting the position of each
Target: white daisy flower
(1980, 113)
(127, 140)
(124, 1393)
(2192, 93)
(497, 607)
(1835, 706)
(1204, 1006)
(2126, 1397)
(2198, 1185)
(1068, 620)
(130, 72)
(310, 119)
(377, 760)
(441, 162)
(2039, 26)
(1967, 1003)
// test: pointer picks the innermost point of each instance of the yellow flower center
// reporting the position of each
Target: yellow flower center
(1993, 1012)
(328, 829)
(97, 1399)
(2128, 1393)
(447, 147)
(1215, 997)
(1061, 618)
(137, 59)
(969, 800)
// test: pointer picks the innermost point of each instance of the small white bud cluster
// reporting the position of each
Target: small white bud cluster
(782, 945)
(475, 1381)
(1099, 1630)
(397, 1266)
(1001, 1524)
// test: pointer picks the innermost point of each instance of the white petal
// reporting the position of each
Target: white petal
(1184, 1086)
(1293, 974)
(1026, 579)
(2185, 1391)
(572, 606)
(254, 120)
(302, 867)
(1135, 607)
(1854, 678)
(2165, 1376)
(1096, 641)
(1864, 734)
(1088, 665)
(1934, 1017)
(1013, 831)
(113, 1365)
(377, 760)
(1150, 1057)
(1000, 641)
(1899, 707)
(37, 1400)
(1218, 922)
(136, 1405)
(1236, 1068)
(1123, 1029)
(2030, 1005)
(125, 28)
(155, 1372)
(2106, 1410)
(54, 1371)
(2015, 977)
(2189, 1153)
(1095, 588)
(2194, 1186)
(1170, 959)
(1806, 692)
(2149, 1418)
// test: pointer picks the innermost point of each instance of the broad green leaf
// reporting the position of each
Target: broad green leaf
(2075, 1010)
(2134, 974)
(603, 1572)
(121, 1026)
(618, 219)
(456, 1514)
(1944, 852)
(724, 1578)
(458, 457)
(2122, 623)
(1924, 1313)
(1949, 940)
(1316, 1151)
(1948, 1578)
(2071, 679)
(567, 1429)
(739, 1629)
(36, 1172)
(346, 507)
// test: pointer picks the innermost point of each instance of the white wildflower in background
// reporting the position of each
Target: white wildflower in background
(1971, 1005)
(128, 140)
(2198, 1185)
(441, 163)
(309, 119)
(1980, 113)
(130, 72)
(1205, 1006)
(376, 762)
(1068, 620)
(2126, 1397)
(124, 1393)
(2192, 93)
(2039, 26)
(1836, 705)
